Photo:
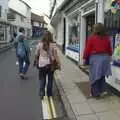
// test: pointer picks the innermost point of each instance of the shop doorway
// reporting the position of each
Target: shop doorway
(64, 36)
(90, 21)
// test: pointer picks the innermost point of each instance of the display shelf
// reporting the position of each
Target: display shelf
(72, 54)
(114, 80)
(74, 47)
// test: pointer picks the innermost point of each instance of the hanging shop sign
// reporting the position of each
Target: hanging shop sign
(113, 5)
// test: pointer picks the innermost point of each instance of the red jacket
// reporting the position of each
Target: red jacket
(97, 45)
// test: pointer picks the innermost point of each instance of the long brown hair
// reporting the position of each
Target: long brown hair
(47, 39)
(99, 29)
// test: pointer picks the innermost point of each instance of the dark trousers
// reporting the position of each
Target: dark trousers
(98, 87)
(43, 73)
(23, 68)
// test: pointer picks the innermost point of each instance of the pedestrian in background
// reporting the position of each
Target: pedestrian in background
(23, 53)
(46, 52)
(13, 37)
(99, 52)
(14, 41)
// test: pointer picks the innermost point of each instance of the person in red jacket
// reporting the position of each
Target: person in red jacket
(98, 50)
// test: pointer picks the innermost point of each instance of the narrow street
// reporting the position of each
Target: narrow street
(87, 34)
(19, 99)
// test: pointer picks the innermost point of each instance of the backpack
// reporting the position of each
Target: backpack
(21, 51)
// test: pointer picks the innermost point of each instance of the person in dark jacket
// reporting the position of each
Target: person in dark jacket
(99, 52)
(22, 52)
(13, 37)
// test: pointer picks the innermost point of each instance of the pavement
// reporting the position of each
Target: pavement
(19, 99)
(77, 106)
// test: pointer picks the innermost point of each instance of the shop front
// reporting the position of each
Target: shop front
(5, 32)
(79, 25)
(112, 23)
(88, 18)
(2, 32)
(73, 36)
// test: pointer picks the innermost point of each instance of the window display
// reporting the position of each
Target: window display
(90, 21)
(2, 28)
(112, 23)
(73, 34)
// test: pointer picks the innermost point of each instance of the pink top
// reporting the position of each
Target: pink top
(44, 56)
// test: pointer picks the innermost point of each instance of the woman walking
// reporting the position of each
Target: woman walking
(99, 52)
(46, 52)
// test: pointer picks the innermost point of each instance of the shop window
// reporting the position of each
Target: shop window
(90, 21)
(2, 32)
(112, 20)
(73, 38)
(112, 24)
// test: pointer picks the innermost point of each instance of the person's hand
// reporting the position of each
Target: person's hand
(36, 64)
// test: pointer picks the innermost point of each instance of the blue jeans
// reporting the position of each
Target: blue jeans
(98, 87)
(23, 68)
(43, 72)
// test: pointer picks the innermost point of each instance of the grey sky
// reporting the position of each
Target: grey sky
(39, 6)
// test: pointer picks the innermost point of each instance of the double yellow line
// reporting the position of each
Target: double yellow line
(48, 107)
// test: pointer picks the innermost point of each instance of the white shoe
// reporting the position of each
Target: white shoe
(24, 64)
(17, 63)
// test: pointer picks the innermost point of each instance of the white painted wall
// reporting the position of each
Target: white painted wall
(24, 10)
(59, 30)
(58, 3)
(18, 6)
(18, 21)
(82, 38)
(28, 17)
(4, 4)
(100, 11)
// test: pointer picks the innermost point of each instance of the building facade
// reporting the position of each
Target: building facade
(19, 15)
(58, 22)
(38, 25)
(74, 22)
(4, 25)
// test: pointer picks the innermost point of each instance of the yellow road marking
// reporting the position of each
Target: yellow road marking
(53, 107)
(48, 108)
